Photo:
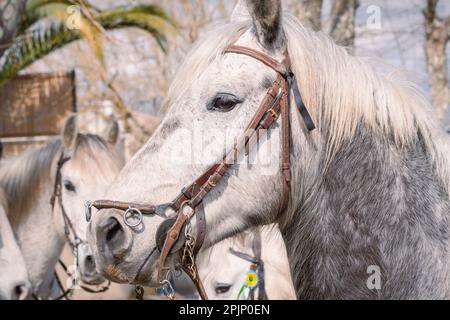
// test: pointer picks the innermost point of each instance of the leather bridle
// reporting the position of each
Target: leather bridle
(257, 266)
(57, 196)
(190, 200)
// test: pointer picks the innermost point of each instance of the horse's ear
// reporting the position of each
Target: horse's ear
(70, 131)
(267, 15)
(113, 132)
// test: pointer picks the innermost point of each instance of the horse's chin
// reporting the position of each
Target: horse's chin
(148, 279)
(146, 275)
(115, 274)
(93, 280)
(138, 273)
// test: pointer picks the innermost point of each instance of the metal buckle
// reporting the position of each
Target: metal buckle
(210, 182)
(186, 209)
(273, 103)
(131, 212)
(274, 114)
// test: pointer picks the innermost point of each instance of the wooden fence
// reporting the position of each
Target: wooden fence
(33, 108)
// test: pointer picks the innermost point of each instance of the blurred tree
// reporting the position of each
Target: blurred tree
(310, 13)
(12, 13)
(437, 35)
(192, 16)
(51, 24)
(342, 23)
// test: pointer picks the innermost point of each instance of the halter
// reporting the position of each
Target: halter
(170, 236)
(69, 229)
(57, 195)
(256, 273)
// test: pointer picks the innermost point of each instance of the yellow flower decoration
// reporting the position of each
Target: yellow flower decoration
(251, 279)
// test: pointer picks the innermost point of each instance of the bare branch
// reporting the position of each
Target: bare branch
(309, 12)
(436, 38)
(12, 14)
(342, 27)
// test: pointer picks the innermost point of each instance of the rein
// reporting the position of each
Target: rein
(174, 234)
(68, 230)
(255, 277)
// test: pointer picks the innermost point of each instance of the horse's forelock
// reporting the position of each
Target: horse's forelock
(92, 151)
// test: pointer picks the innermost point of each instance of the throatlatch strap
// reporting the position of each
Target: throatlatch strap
(299, 102)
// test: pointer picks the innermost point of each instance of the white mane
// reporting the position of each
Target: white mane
(339, 89)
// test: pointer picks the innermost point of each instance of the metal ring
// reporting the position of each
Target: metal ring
(77, 241)
(177, 270)
(87, 210)
(167, 289)
(128, 213)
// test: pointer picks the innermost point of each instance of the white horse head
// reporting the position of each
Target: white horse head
(94, 162)
(14, 283)
(224, 274)
(80, 166)
(368, 188)
(205, 116)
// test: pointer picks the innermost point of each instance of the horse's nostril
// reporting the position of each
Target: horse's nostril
(114, 230)
(90, 263)
(113, 239)
(20, 292)
(114, 235)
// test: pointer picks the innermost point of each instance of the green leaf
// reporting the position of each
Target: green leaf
(150, 18)
(31, 46)
(149, 10)
(34, 43)
(59, 10)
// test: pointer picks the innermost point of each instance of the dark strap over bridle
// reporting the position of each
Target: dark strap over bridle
(190, 200)
(257, 264)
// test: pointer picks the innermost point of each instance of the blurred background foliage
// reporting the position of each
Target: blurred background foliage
(125, 52)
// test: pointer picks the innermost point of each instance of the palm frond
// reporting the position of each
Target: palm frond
(150, 18)
(37, 40)
(31, 46)
(66, 12)
(150, 10)
(38, 9)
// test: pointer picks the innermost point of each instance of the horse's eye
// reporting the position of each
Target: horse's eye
(222, 288)
(223, 102)
(69, 186)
